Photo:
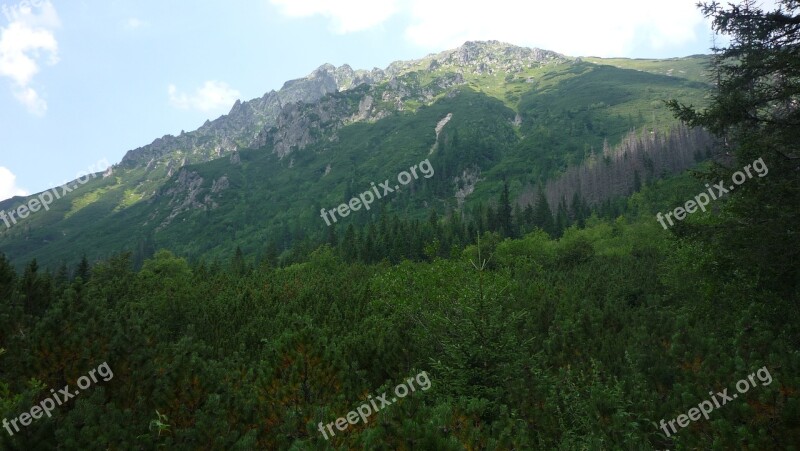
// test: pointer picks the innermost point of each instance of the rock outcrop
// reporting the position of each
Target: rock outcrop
(308, 108)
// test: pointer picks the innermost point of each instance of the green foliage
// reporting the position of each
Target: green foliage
(541, 326)
(586, 341)
(520, 130)
(754, 113)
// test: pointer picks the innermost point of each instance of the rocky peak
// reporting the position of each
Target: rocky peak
(492, 56)
(247, 121)
(236, 107)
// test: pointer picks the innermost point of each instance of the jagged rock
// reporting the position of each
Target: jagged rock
(184, 194)
(286, 118)
(469, 178)
(364, 108)
(220, 184)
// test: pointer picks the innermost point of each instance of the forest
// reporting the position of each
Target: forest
(564, 319)
(584, 342)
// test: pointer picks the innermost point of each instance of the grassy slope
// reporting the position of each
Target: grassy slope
(694, 68)
(566, 110)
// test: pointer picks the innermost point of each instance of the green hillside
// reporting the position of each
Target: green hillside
(523, 127)
(585, 342)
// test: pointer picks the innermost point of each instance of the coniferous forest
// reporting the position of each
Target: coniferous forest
(562, 316)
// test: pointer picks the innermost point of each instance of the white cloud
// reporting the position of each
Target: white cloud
(587, 27)
(580, 27)
(8, 185)
(31, 100)
(26, 42)
(133, 24)
(347, 16)
(213, 95)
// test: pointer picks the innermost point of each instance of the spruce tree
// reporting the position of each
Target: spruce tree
(754, 112)
(7, 279)
(84, 271)
(543, 216)
(504, 224)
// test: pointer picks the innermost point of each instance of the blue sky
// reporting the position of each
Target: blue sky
(85, 80)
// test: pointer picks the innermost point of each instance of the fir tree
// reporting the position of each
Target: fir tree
(504, 223)
(543, 216)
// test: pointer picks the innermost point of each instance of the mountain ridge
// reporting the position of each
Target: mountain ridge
(246, 120)
(262, 172)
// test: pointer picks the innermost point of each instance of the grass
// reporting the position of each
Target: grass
(566, 109)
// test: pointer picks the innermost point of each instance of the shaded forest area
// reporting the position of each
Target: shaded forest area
(587, 341)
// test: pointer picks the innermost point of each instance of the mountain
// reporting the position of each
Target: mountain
(249, 123)
(483, 113)
(489, 248)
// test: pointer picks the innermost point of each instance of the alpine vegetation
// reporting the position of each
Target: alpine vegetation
(44, 199)
(364, 411)
(47, 405)
(707, 407)
(366, 198)
(702, 199)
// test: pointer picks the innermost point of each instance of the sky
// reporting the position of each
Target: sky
(84, 81)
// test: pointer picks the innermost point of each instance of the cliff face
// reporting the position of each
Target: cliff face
(242, 125)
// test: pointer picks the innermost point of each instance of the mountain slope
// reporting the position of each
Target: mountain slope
(263, 172)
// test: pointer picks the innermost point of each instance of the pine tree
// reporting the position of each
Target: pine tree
(517, 222)
(491, 219)
(578, 210)
(754, 112)
(145, 248)
(35, 289)
(562, 219)
(349, 247)
(238, 263)
(333, 239)
(528, 218)
(504, 224)
(84, 271)
(433, 219)
(367, 252)
(543, 216)
(61, 279)
(271, 254)
(456, 229)
(7, 279)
